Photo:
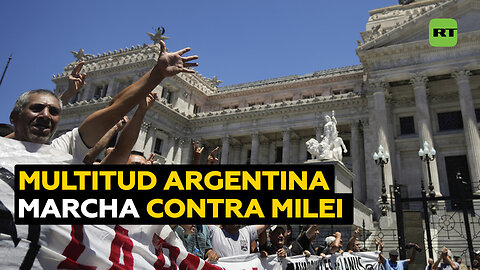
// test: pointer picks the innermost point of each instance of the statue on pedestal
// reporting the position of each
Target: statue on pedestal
(331, 145)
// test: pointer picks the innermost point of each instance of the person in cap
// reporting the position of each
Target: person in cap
(392, 263)
(445, 261)
(276, 245)
(333, 243)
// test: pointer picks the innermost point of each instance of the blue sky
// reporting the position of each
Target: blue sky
(238, 41)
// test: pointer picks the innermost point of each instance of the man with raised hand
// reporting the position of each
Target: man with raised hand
(35, 118)
(392, 263)
(445, 261)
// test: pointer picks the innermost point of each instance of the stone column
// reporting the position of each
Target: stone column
(150, 140)
(178, 153)
(286, 147)
(254, 151)
(112, 85)
(169, 147)
(187, 151)
(225, 149)
(358, 162)
(142, 136)
(470, 128)
(372, 172)
(381, 121)
(424, 126)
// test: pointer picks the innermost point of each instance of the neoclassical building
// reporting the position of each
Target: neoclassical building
(404, 92)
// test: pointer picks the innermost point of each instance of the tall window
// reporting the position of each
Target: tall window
(167, 95)
(157, 149)
(196, 108)
(100, 91)
(454, 165)
(407, 125)
(450, 121)
(278, 154)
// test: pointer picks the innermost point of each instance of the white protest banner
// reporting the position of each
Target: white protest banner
(249, 262)
(345, 261)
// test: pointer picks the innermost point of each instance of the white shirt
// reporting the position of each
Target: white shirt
(66, 149)
(226, 245)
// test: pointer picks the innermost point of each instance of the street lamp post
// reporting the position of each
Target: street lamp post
(427, 154)
(381, 158)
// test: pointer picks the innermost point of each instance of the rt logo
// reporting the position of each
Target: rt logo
(442, 32)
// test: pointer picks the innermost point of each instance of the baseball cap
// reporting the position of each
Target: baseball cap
(329, 240)
(274, 227)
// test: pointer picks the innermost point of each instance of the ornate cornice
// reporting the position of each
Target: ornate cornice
(376, 36)
(349, 100)
(330, 75)
(418, 52)
(140, 58)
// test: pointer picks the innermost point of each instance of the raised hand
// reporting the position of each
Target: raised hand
(212, 158)
(197, 152)
(357, 231)
(76, 80)
(172, 63)
(121, 124)
(150, 159)
(148, 102)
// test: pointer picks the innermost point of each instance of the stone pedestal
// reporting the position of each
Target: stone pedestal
(343, 176)
(344, 184)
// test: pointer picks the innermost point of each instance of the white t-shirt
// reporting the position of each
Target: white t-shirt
(447, 266)
(66, 149)
(227, 245)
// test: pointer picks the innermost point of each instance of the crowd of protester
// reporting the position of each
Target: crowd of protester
(35, 117)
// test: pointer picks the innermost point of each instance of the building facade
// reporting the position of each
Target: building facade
(405, 92)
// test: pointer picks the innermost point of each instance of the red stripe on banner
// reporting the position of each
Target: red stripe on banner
(73, 251)
(173, 254)
(121, 241)
(191, 262)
